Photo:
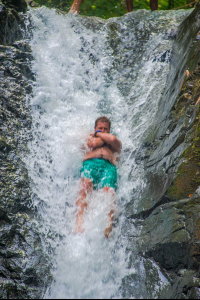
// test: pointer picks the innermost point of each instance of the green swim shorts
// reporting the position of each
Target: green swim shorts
(101, 172)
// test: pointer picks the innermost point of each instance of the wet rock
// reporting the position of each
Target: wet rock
(172, 233)
(32, 3)
(23, 265)
(177, 115)
(187, 286)
(4, 147)
(11, 23)
(18, 5)
(169, 208)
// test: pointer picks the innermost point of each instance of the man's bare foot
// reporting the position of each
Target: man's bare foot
(74, 11)
(108, 231)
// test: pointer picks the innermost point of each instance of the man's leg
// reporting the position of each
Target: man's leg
(76, 6)
(112, 211)
(129, 5)
(81, 204)
(154, 5)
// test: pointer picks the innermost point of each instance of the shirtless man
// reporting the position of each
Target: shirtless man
(99, 168)
(77, 4)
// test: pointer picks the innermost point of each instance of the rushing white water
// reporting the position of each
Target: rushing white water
(70, 92)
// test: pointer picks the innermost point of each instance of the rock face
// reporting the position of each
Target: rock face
(23, 268)
(169, 209)
(10, 21)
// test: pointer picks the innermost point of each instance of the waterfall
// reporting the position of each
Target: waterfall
(85, 68)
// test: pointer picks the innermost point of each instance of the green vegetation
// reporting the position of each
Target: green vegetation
(112, 8)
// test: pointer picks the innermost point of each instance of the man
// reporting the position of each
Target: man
(77, 4)
(99, 168)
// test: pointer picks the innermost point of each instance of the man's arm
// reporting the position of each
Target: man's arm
(94, 143)
(111, 140)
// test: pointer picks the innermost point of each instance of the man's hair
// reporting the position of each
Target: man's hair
(103, 119)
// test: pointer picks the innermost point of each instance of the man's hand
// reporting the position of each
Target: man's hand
(94, 142)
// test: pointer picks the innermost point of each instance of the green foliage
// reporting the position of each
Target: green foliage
(60, 4)
(103, 8)
(111, 8)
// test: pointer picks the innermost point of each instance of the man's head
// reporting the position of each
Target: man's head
(103, 124)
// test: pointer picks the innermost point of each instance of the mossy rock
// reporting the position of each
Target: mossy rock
(188, 174)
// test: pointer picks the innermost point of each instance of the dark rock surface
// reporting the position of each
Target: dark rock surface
(171, 133)
(11, 22)
(18, 5)
(23, 266)
(169, 211)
